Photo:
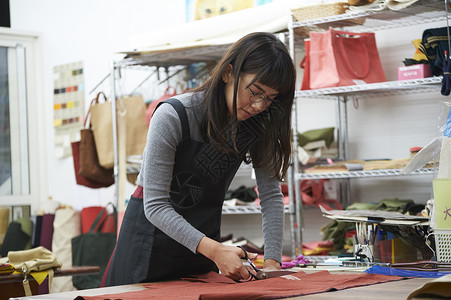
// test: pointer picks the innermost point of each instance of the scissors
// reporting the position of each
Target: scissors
(259, 274)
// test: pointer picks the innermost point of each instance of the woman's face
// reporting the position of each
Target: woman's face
(251, 100)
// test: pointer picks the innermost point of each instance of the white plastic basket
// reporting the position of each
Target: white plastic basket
(443, 244)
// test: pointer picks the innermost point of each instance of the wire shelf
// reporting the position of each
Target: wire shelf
(173, 57)
(380, 88)
(364, 174)
(419, 13)
(238, 210)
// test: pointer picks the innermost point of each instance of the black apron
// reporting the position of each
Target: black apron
(201, 177)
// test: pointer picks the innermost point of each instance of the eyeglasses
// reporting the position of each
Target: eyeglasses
(259, 97)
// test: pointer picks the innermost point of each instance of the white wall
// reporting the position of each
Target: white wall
(92, 32)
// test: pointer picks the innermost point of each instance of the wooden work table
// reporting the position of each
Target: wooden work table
(387, 291)
(11, 285)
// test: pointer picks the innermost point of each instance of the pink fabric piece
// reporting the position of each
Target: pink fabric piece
(213, 286)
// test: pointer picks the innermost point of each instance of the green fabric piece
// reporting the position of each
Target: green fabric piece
(27, 227)
(326, 134)
(410, 62)
(395, 204)
(362, 206)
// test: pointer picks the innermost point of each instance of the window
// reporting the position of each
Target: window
(22, 167)
(5, 133)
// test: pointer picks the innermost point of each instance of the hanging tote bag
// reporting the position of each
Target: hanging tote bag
(134, 110)
(342, 58)
(90, 167)
(93, 249)
(81, 180)
(102, 128)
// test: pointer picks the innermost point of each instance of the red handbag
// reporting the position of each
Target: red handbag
(342, 58)
(89, 214)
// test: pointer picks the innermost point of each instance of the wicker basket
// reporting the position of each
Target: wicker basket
(319, 11)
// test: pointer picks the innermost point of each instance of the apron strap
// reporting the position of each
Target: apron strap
(180, 109)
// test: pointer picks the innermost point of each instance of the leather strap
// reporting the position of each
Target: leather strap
(26, 283)
(138, 193)
(26, 286)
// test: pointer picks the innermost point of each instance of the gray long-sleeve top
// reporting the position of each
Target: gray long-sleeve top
(164, 135)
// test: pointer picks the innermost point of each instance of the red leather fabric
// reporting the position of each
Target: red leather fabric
(214, 286)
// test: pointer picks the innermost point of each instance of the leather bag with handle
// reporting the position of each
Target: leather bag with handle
(342, 58)
(89, 166)
(37, 262)
(93, 249)
(134, 110)
(81, 180)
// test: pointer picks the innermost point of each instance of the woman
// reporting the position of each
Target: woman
(195, 145)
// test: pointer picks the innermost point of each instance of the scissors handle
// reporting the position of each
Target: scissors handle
(246, 257)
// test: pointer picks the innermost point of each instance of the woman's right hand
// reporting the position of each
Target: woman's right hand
(226, 258)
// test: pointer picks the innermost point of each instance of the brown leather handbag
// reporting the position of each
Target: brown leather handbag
(88, 171)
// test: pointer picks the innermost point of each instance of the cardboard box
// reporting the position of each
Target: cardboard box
(414, 72)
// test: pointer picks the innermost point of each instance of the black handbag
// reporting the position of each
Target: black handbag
(433, 45)
(93, 248)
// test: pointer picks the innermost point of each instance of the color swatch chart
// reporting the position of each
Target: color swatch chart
(68, 112)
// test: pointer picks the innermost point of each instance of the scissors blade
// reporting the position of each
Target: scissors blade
(272, 274)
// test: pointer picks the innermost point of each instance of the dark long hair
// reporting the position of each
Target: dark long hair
(264, 55)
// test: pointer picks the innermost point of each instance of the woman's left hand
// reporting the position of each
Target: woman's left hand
(271, 265)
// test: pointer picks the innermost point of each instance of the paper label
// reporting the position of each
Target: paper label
(442, 202)
(358, 81)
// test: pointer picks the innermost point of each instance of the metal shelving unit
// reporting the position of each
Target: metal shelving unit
(422, 12)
